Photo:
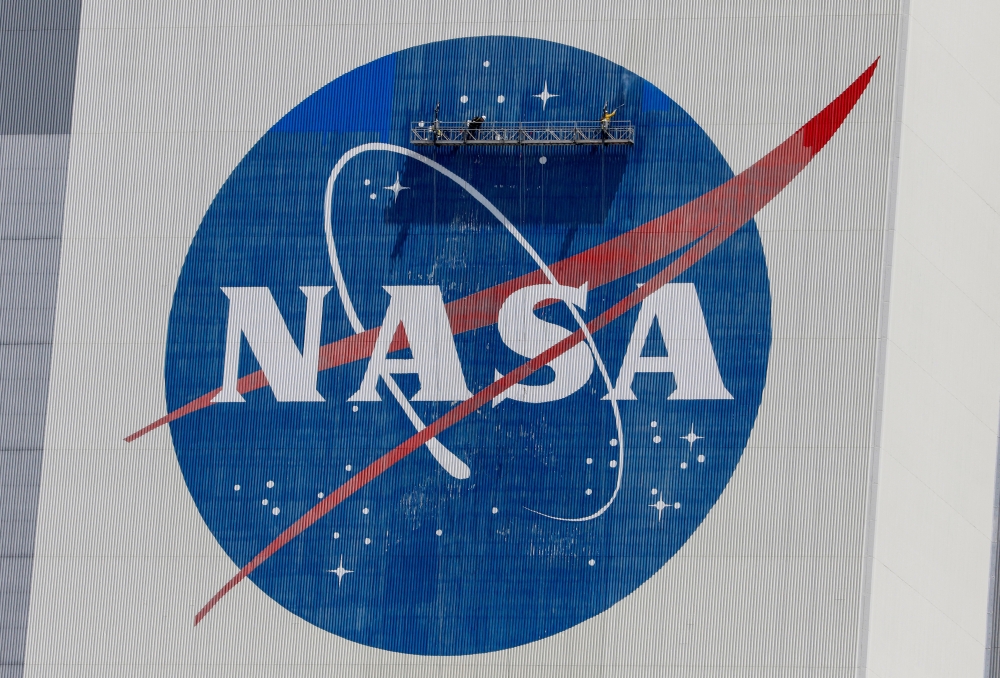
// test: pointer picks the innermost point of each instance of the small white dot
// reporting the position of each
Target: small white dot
(263, 502)
(677, 504)
(589, 460)
(613, 463)
(542, 160)
(319, 496)
(270, 484)
(275, 511)
(464, 99)
(368, 182)
(347, 468)
(367, 541)
(657, 439)
(701, 458)
(500, 99)
(653, 424)
(439, 533)
(354, 409)
(420, 124)
(496, 510)
(236, 488)
(653, 491)
(591, 562)
(589, 492)
(372, 196)
(365, 510)
(614, 442)
(486, 64)
(684, 464)
(336, 535)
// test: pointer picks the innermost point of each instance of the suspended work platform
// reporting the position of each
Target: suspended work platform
(522, 133)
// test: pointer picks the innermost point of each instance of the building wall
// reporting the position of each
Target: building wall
(935, 519)
(775, 582)
(37, 64)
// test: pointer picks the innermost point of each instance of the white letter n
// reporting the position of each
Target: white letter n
(254, 314)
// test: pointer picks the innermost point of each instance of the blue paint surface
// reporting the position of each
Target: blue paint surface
(490, 580)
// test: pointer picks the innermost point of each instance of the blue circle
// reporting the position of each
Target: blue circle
(419, 561)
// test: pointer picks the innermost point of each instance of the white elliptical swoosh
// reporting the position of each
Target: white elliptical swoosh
(451, 463)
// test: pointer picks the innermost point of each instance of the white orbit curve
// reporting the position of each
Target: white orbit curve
(452, 464)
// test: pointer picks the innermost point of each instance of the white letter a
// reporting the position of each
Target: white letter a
(420, 310)
(689, 349)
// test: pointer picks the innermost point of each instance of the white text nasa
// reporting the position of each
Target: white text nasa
(420, 310)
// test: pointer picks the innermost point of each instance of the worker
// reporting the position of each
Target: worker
(474, 125)
(436, 125)
(606, 120)
(606, 116)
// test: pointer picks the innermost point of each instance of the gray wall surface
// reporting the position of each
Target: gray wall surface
(170, 98)
(38, 42)
(800, 569)
(938, 451)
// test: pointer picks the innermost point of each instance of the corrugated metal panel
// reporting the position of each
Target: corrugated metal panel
(32, 188)
(772, 583)
(881, 329)
(993, 612)
(38, 42)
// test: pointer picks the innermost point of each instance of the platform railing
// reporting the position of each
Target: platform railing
(571, 133)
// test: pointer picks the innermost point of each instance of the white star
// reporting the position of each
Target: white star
(340, 571)
(545, 95)
(659, 506)
(691, 437)
(396, 188)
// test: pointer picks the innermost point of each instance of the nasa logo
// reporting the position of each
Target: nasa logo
(456, 398)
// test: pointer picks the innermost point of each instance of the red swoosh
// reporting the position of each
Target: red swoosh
(612, 259)
(716, 216)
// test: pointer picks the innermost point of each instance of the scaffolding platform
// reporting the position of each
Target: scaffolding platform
(522, 134)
